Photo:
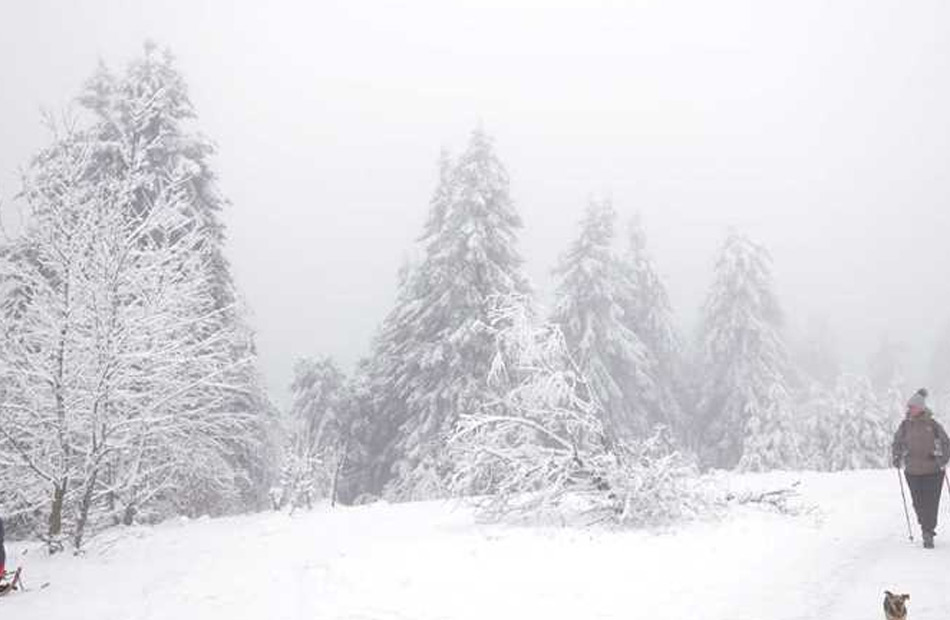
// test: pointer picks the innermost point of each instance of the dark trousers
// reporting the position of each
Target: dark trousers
(925, 491)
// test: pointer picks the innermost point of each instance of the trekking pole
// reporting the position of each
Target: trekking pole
(900, 479)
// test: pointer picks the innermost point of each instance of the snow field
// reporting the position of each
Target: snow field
(432, 560)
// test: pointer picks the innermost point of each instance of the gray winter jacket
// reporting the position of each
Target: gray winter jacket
(922, 444)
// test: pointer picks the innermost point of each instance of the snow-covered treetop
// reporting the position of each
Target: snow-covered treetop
(586, 270)
(478, 221)
(742, 313)
(649, 308)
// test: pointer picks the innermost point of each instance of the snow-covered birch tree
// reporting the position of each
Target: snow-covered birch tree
(126, 373)
(143, 136)
(44, 352)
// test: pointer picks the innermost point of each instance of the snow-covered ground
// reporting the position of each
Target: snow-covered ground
(431, 560)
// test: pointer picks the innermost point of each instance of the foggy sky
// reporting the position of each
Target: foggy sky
(821, 129)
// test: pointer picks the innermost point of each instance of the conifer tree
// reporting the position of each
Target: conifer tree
(141, 132)
(649, 314)
(772, 434)
(588, 309)
(433, 353)
(860, 437)
(317, 433)
(743, 356)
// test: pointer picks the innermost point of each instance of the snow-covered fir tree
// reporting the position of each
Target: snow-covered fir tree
(591, 288)
(772, 433)
(141, 133)
(317, 434)
(649, 314)
(744, 361)
(396, 338)
(845, 427)
(433, 353)
(353, 474)
(390, 366)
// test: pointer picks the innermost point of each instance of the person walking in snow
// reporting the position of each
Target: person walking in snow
(922, 446)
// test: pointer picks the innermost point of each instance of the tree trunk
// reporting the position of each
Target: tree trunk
(340, 464)
(84, 506)
(56, 517)
(128, 516)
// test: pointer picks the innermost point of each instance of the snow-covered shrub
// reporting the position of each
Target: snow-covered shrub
(539, 449)
(540, 437)
(655, 483)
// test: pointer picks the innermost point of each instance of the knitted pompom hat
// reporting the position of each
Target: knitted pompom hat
(919, 399)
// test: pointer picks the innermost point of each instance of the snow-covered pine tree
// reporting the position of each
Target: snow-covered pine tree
(814, 403)
(433, 353)
(141, 133)
(392, 362)
(772, 433)
(591, 286)
(352, 477)
(649, 314)
(317, 433)
(857, 433)
(743, 356)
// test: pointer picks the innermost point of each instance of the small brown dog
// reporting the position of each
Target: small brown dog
(894, 607)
